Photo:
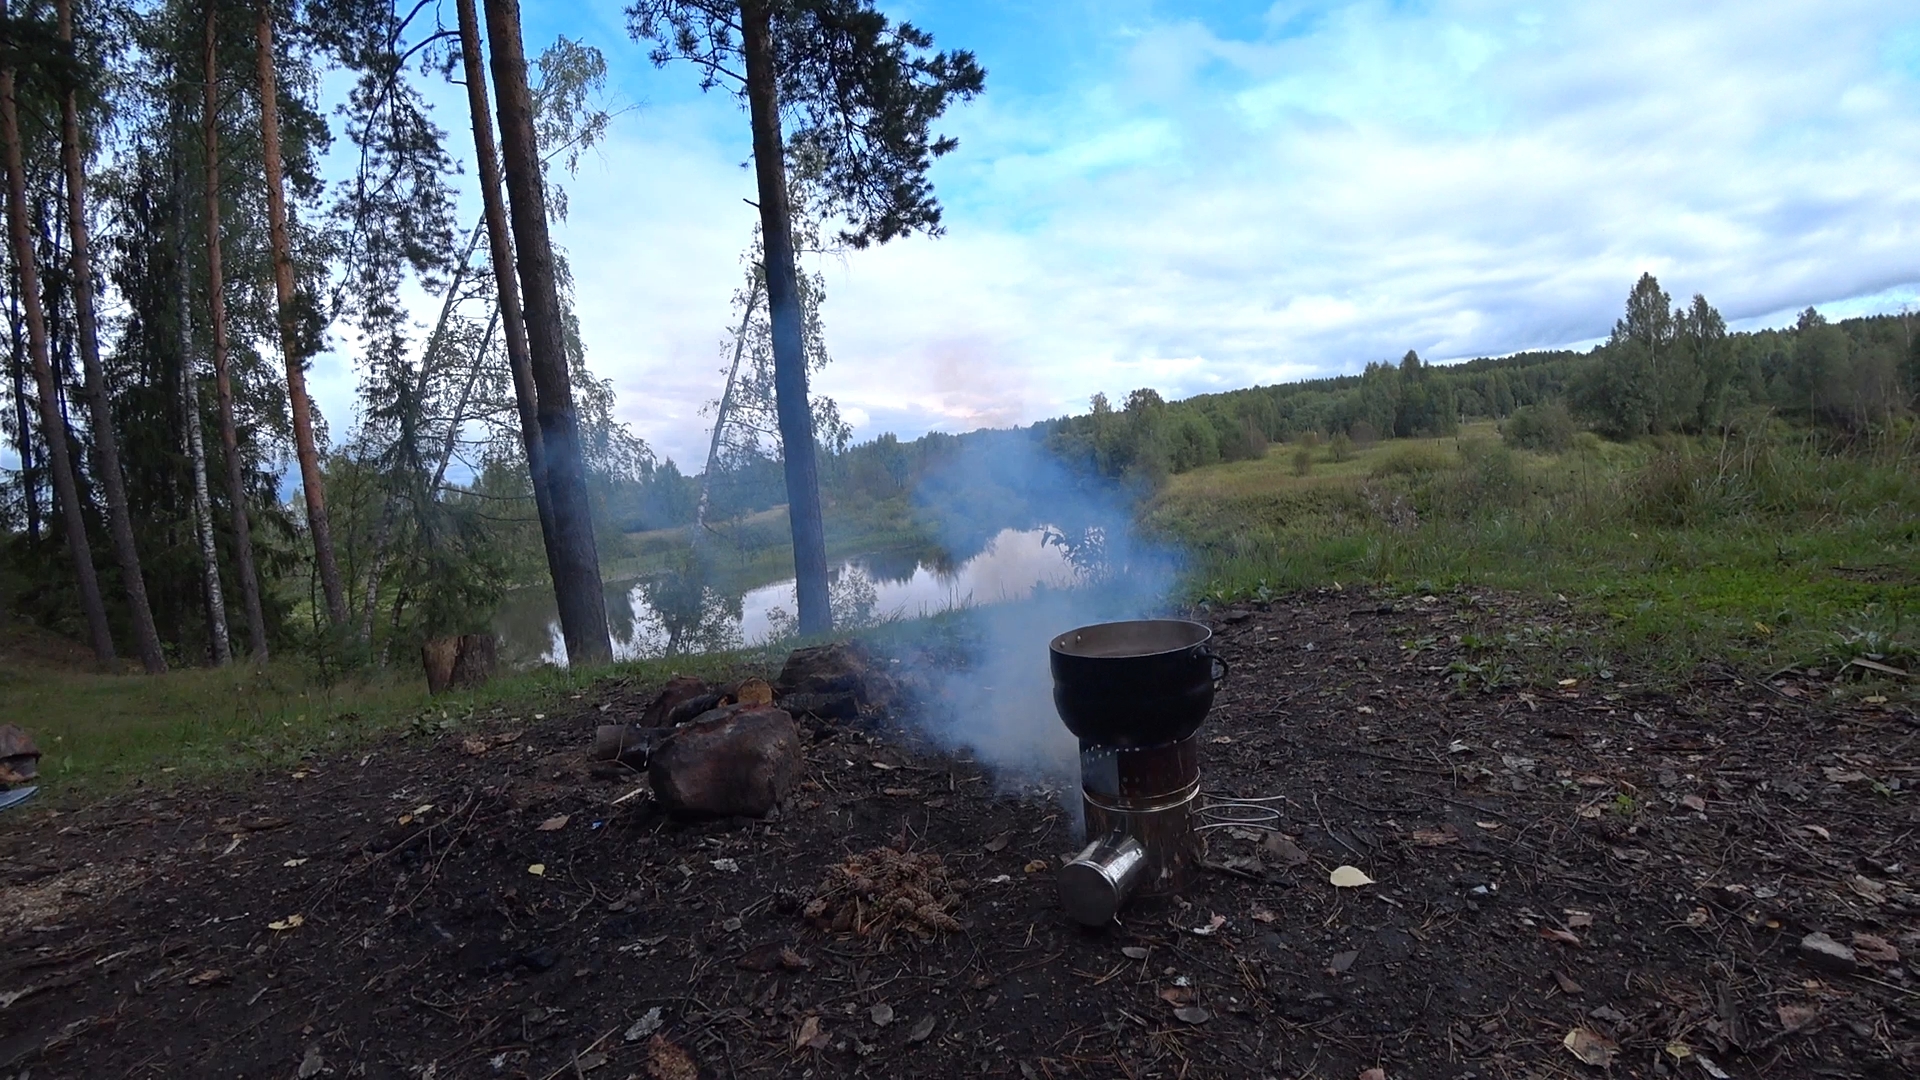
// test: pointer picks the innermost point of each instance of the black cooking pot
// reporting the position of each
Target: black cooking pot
(1138, 683)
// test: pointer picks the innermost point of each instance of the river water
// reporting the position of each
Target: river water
(677, 614)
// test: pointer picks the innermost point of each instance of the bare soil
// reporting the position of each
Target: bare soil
(1631, 871)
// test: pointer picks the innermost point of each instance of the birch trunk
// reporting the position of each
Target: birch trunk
(222, 377)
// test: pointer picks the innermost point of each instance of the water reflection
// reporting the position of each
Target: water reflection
(681, 610)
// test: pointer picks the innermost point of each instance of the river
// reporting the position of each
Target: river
(676, 614)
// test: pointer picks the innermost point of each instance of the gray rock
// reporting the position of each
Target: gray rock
(1821, 951)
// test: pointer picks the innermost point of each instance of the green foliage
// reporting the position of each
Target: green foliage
(1548, 427)
(1339, 448)
(1302, 461)
(1761, 548)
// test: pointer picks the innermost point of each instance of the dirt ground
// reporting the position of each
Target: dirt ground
(1571, 874)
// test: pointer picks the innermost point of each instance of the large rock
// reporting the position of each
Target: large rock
(740, 760)
(680, 690)
(838, 680)
(19, 758)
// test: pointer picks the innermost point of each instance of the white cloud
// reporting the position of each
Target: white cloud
(1194, 212)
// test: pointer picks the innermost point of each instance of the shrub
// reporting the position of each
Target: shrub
(1415, 459)
(1339, 448)
(1302, 461)
(1539, 427)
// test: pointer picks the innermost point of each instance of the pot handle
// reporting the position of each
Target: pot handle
(1219, 665)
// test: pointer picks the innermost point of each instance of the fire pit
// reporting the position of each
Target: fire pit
(1135, 694)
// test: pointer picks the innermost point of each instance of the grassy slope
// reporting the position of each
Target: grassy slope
(1763, 556)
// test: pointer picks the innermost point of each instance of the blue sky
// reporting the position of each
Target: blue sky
(1206, 196)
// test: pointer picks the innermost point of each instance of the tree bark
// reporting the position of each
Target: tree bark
(106, 445)
(576, 570)
(220, 642)
(720, 413)
(222, 377)
(513, 321)
(312, 483)
(66, 490)
(783, 305)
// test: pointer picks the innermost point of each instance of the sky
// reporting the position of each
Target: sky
(1204, 196)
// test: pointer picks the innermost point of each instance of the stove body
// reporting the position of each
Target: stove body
(1135, 695)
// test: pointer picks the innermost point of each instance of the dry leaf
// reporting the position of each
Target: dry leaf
(474, 746)
(1694, 802)
(645, 1026)
(211, 975)
(881, 1014)
(1590, 1047)
(1875, 949)
(810, 1035)
(1261, 915)
(1818, 831)
(538, 869)
(1567, 986)
(1348, 877)
(294, 862)
(1490, 826)
(998, 843)
(1133, 952)
(1374, 1074)
(1578, 919)
(1178, 995)
(1213, 925)
(1193, 1014)
(1435, 837)
(666, 1061)
(291, 922)
(1554, 933)
(1796, 1018)
(1036, 866)
(921, 1030)
(555, 823)
(1342, 961)
(1282, 847)
(900, 792)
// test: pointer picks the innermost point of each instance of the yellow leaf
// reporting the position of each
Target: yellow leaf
(1348, 877)
(538, 869)
(291, 922)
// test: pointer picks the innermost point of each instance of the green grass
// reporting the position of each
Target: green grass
(101, 732)
(1761, 552)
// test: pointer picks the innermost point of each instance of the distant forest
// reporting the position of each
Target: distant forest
(1665, 369)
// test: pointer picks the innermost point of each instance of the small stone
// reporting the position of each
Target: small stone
(1823, 952)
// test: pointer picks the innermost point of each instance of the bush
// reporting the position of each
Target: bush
(1416, 459)
(1302, 461)
(1339, 448)
(1546, 427)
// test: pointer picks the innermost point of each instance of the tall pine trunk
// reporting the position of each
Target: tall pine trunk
(513, 320)
(222, 377)
(196, 447)
(313, 484)
(571, 556)
(106, 444)
(66, 489)
(783, 307)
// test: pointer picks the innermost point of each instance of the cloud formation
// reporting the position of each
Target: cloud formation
(1152, 195)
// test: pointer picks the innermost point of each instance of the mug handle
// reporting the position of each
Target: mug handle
(1219, 665)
